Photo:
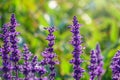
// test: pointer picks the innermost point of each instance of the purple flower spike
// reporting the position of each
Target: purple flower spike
(115, 66)
(41, 71)
(15, 53)
(34, 63)
(76, 42)
(36, 68)
(49, 54)
(45, 58)
(27, 54)
(5, 50)
(99, 62)
(93, 65)
(96, 66)
(26, 67)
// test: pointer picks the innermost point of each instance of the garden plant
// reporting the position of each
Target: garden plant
(16, 62)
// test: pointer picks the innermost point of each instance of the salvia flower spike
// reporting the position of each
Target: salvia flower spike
(96, 64)
(37, 68)
(26, 67)
(93, 65)
(41, 71)
(15, 53)
(34, 62)
(76, 42)
(100, 69)
(5, 50)
(50, 53)
(115, 66)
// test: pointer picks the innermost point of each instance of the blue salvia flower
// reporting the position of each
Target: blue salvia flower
(0, 49)
(34, 62)
(5, 50)
(26, 67)
(45, 58)
(49, 54)
(41, 71)
(100, 69)
(15, 53)
(115, 66)
(36, 68)
(93, 65)
(96, 64)
(76, 42)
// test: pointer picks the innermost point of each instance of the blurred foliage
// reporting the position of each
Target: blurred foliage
(100, 21)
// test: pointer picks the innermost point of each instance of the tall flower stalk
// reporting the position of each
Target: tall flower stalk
(93, 65)
(5, 50)
(76, 42)
(115, 66)
(96, 64)
(100, 69)
(41, 71)
(26, 67)
(49, 54)
(15, 53)
(34, 62)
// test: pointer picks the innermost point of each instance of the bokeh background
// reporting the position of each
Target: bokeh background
(100, 21)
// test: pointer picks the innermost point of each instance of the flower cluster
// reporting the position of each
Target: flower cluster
(93, 66)
(100, 69)
(11, 56)
(26, 67)
(33, 69)
(5, 50)
(76, 42)
(15, 53)
(96, 64)
(115, 66)
(49, 54)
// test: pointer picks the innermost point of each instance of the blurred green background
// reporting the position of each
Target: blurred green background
(100, 21)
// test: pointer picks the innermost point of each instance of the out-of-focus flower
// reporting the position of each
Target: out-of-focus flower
(115, 66)
(96, 64)
(26, 67)
(5, 51)
(37, 68)
(100, 69)
(93, 65)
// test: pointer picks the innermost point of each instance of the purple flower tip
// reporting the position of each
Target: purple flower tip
(96, 64)
(93, 66)
(76, 42)
(115, 66)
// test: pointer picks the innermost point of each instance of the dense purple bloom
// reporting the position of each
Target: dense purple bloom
(41, 71)
(34, 63)
(96, 64)
(49, 54)
(15, 53)
(5, 50)
(100, 69)
(76, 42)
(36, 68)
(26, 54)
(45, 58)
(26, 67)
(115, 66)
(93, 65)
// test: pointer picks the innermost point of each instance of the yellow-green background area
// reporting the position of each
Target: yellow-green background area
(100, 21)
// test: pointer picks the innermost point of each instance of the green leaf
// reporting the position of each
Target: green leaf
(114, 31)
